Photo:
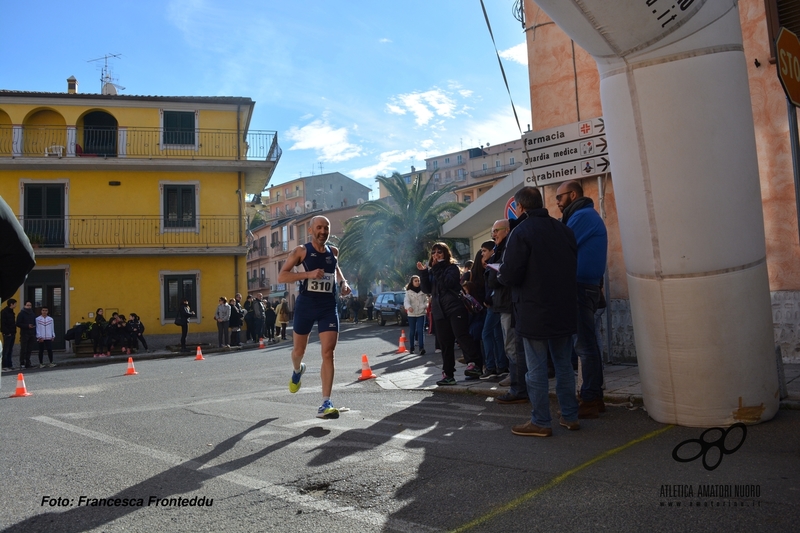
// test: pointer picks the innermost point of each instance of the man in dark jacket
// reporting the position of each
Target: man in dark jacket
(237, 320)
(26, 322)
(8, 326)
(592, 238)
(540, 264)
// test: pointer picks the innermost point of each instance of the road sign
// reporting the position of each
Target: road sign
(510, 212)
(787, 49)
(573, 151)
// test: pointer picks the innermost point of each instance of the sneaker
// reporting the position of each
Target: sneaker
(411, 350)
(472, 371)
(505, 382)
(41, 366)
(294, 383)
(572, 426)
(511, 398)
(437, 350)
(446, 380)
(422, 351)
(326, 410)
(51, 365)
(529, 429)
(489, 374)
(503, 372)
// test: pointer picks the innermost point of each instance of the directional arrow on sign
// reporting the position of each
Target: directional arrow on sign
(602, 144)
(601, 125)
(603, 164)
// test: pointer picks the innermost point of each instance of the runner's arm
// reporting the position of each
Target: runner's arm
(295, 258)
(339, 276)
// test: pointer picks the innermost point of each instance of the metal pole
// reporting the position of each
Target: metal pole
(601, 194)
(793, 138)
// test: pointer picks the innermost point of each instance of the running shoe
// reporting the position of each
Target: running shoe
(294, 383)
(446, 380)
(327, 410)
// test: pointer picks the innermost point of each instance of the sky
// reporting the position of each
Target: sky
(361, 87)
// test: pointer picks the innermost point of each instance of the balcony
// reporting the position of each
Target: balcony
(257, 283)
(494, 170)
(142, 235)
(257, 253)
(279, 247)
(134, 148)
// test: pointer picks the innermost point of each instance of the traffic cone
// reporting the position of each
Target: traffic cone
(131, 371)
(199, 356)
(366, 371)
(261, 343)
(401, 348)
(21, 389)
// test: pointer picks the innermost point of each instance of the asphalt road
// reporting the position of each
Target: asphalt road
(227, 434)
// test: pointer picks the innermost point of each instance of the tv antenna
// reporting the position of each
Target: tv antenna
(107, 85)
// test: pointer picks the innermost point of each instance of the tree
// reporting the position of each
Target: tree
(394, 233)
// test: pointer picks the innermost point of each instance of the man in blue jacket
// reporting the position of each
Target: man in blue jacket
(540, 264)
(590, 232)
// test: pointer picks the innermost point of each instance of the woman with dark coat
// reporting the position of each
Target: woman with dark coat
(441, 279)
(99, 332)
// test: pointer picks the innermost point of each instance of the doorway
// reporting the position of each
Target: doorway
(44, 214)
(45, 288)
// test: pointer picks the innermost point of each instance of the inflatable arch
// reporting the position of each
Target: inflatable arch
(675, 96)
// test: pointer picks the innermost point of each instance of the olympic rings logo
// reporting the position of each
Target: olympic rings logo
(708, 445)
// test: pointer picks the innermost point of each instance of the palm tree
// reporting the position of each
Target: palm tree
(393, 234)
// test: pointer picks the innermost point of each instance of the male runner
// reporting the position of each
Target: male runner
(318, 272)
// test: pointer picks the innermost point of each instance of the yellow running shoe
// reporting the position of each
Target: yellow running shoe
(294, 383)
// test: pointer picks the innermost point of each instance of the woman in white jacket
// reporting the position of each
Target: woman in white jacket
(223, 318)
(416, 304)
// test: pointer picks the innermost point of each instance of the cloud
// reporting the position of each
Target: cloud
(517, 54)
(330, 143)
(385, 40)
(423, 105)
(387, 163)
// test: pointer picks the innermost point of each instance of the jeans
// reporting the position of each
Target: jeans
(515, 360)
(586, 343)
(222, 333)
(8, 349)
(519, 385)
(45, 345)
(536, 351)
(493, 345)
(416, 328)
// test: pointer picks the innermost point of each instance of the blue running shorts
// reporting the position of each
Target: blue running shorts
(308, 310)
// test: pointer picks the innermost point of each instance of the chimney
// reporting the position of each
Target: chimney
(72, 85)
(413, 169)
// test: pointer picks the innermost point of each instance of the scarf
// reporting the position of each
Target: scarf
(580, 203)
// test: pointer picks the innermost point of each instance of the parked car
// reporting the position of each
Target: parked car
(390, 305)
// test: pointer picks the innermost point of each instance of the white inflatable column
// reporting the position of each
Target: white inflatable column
(674, 89)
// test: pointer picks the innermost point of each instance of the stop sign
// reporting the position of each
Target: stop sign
(788, 51)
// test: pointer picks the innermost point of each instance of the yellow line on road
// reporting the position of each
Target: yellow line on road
(555, 481)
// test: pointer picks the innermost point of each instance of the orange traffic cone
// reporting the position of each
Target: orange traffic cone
(199, 356)
(21, 389)
(261, 343)
(366, 371)
(402, 345)
(131, 371)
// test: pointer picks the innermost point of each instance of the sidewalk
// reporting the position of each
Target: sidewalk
(623, 385)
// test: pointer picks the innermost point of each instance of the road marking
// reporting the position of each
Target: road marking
(270, 489)
(513, 504)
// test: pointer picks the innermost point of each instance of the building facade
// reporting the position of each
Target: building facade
(132, 202)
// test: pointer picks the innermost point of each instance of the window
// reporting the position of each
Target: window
(291, 232)
(484, 166)
(178, 287)
(301, 233)
(262, 245)
(436, 164)
(179, 128)
(446, 160)
(179, 206)
(436, 178)
(497, 164)
(44, 213)
(511, 161)
(263, 276)
(461, 174)
(467, 198)
(460, 159)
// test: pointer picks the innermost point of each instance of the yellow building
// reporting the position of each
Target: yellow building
(132, 203)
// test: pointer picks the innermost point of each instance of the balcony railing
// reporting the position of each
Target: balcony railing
(257, 253)
(135, 142)
(279, 246)
(87, 232)
(257, 283)
(494, 170)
